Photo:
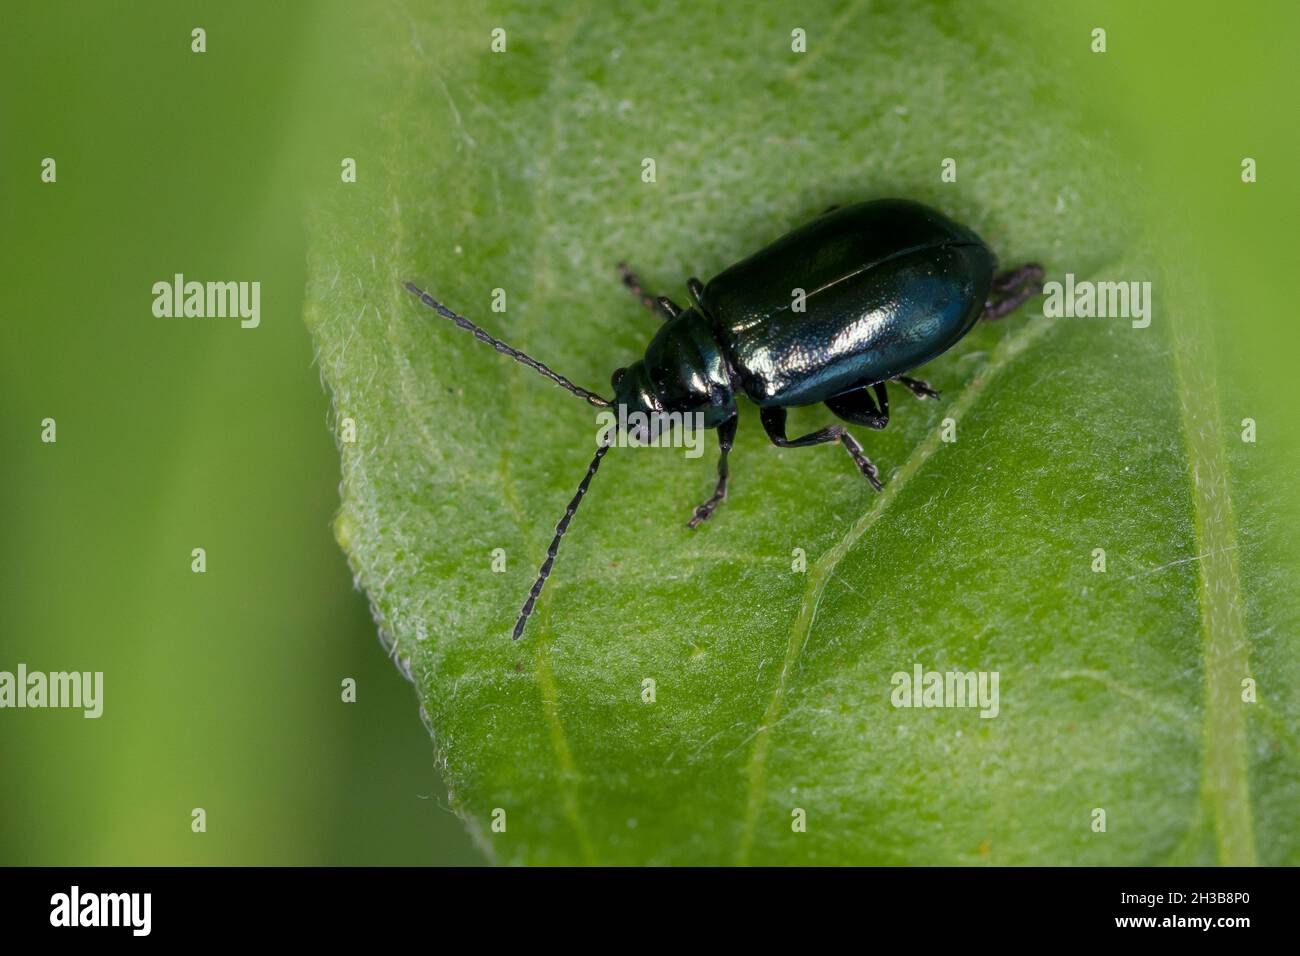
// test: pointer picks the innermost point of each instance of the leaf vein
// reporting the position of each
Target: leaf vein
(1225, 783)
(824, 569)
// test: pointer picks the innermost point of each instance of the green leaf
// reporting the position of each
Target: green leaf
(522, 171)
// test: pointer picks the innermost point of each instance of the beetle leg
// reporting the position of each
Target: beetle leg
(774, 424)
(917, 387)
(696, 288)
(633, 285)
(669, 307)
(726, 436)
(1015, 286)
(996, 309)
(1013, 278)
(857, 408)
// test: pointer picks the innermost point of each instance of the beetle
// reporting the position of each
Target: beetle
(827, 314)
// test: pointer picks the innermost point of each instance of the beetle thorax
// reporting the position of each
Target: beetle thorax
(683, 371)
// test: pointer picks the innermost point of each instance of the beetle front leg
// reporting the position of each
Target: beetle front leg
(665, 307)
(633, 284)
(773, 418)
(726, 437)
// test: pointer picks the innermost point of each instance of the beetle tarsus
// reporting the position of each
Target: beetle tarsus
(917, 387)
(633, 284)
(1013, 288)
(869, 471)
(705, 511)
(1013, 278)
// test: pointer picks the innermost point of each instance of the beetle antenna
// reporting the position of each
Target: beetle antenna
(500, 346)
(560, 529)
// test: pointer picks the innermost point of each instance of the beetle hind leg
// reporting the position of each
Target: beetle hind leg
(773, 418)
(1012, 278)
(858, 408)
(917, 387)
(1011, 289)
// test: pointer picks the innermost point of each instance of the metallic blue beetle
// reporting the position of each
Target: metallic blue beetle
(828, 313)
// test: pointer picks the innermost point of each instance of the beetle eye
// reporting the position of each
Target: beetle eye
(617, 376)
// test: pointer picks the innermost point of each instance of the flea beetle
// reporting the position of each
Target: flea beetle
(828, 313)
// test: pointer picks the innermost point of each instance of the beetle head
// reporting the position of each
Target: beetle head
(634, 393)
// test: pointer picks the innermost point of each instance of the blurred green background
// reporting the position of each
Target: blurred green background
(223, 689)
